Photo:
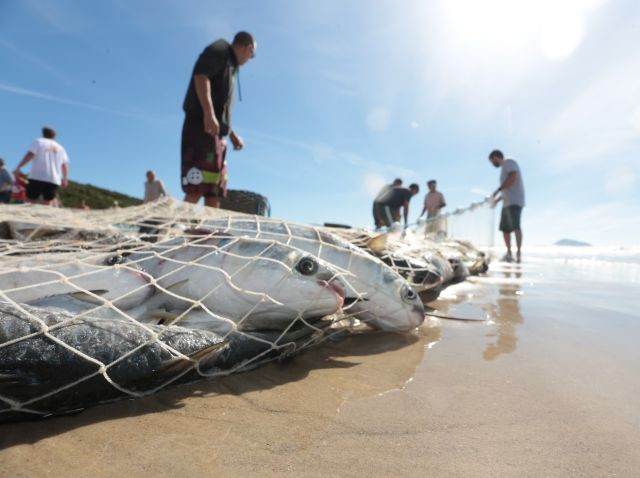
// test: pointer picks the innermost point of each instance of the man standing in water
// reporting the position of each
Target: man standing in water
(49, 170)
(207, 108)
(512, 190)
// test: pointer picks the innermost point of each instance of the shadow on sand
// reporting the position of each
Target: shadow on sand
(338, 354)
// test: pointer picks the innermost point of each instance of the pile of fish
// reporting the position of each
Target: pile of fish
(126, 318)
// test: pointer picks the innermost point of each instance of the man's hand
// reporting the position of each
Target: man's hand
(236, 140)
(211, 125)
(65, 183)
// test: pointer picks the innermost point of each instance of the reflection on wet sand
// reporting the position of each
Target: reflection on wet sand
(506, 315)
(493, 299)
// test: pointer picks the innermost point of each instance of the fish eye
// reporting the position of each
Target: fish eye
(113, 260)
(408, 294)
(307, 266)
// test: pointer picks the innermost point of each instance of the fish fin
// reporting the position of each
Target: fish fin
(378, 243)
(157, 317)
(86, 297)
(205, 358)
(177, 284)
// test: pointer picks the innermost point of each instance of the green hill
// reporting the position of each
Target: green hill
(93, 196)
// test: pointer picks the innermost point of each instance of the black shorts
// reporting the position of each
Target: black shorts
(510, 218)
(204, 169)
(36, 188)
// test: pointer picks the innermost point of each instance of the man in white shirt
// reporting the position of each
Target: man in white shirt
(153, 188)
(512, 189)
(49, 169)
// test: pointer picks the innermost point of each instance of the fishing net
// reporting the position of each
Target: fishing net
(435, 252)
(102, 305)
(99, 305)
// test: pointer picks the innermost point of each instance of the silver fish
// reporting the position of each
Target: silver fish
(257, 284)
(375, 294)
(55, 363)
(94, 279)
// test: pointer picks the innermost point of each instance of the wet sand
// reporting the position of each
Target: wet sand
(547, 385)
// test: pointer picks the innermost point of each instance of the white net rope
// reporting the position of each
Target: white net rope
(435, 252)
(101, 305)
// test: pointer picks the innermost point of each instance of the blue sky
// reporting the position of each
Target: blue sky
(343, 96)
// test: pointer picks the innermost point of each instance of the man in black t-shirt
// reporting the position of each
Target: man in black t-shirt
(207, 108)
(388, 206)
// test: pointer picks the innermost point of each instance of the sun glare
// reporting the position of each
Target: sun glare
(500, 28)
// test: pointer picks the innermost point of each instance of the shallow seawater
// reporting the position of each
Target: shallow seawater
(539, 378)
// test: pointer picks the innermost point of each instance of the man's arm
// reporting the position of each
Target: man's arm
(508, 182)
(65, 175)
(162, 191)
(443, 203)
(27, 157)
(203, 91)
(406, 212)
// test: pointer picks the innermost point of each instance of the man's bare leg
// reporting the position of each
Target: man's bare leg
(211, 201)
(507, 242)
(518, 244)
(192, 197)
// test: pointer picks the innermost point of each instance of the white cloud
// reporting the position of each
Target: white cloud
(620, 180)
(378, 119)
(608, 223)
(414, 125)
(57, 99)
(322, 153)
(595, 124)
(635, 120)
(39, 62)
(373, 183)
(561, 33)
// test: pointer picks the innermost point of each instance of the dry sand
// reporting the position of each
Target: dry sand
(549, 385)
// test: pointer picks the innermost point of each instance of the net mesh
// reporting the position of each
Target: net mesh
(102, 305)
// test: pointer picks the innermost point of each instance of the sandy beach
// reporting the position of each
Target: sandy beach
(546, 385)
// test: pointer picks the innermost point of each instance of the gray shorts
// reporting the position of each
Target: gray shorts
(384, 215)
(510, 218)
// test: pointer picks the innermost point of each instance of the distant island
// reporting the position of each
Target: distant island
(571, 242)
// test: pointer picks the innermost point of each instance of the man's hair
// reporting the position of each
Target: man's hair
(48, 133)
(496, 153)
(243, 39)
(431, 181)
(414, 186)
(397, 182)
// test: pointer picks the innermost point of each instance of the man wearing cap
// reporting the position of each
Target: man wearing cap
(512, 197)
(207, 108)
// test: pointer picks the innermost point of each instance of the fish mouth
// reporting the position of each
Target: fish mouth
(335, 287)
